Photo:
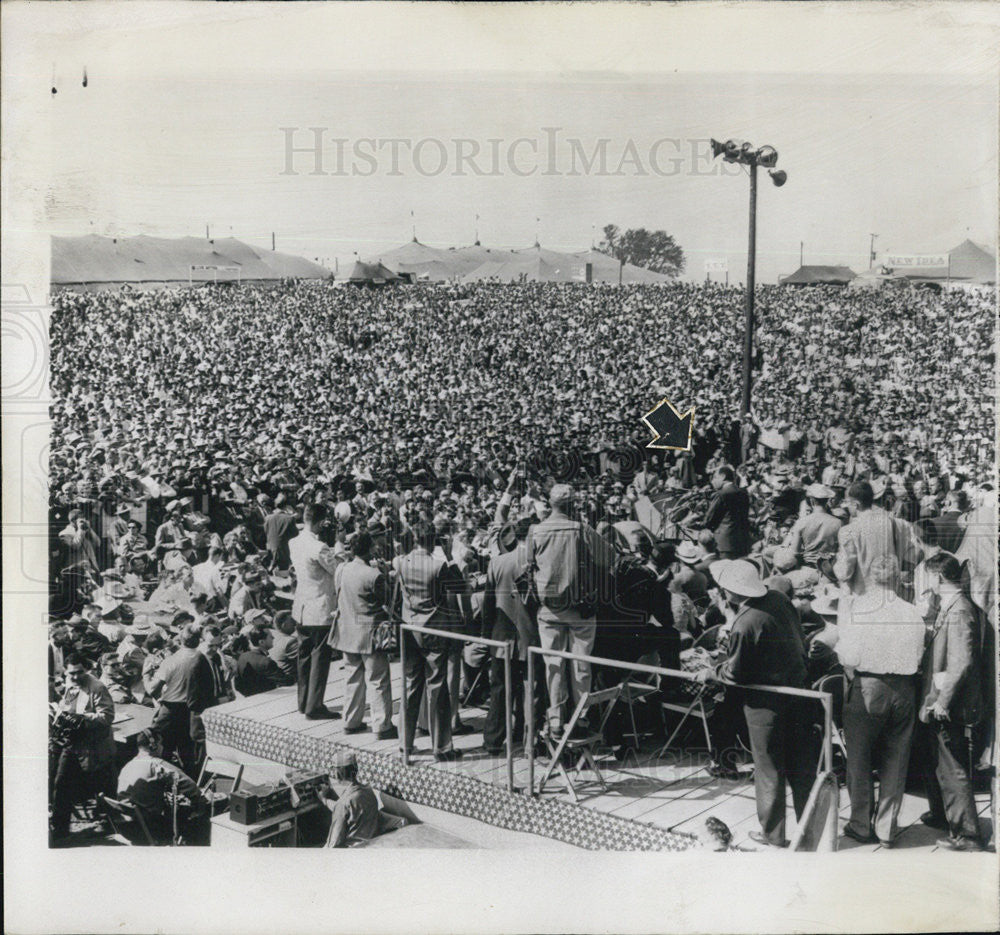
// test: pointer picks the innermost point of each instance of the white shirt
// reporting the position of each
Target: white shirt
(208, 578)
(884, 635)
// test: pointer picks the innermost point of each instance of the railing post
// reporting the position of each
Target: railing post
(402, 700)
(509, 711)
(529, 718)
(828, 732)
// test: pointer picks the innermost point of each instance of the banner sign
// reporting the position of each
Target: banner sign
(915, 261)
(716, 266)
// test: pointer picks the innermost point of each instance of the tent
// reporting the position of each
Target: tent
(96, 263)
(973, 263)
(372, 274)
(819, 276)
(970, 264)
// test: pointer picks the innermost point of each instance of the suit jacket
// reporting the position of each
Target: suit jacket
(426, 582)
(315, 590)
(257, 672)
(95, 747)
(949, 531)
(502, 600)
(361, 605)
(279, 530)
(728, 517)
(951, 666)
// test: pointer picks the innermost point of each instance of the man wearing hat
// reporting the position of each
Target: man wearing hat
(766, 648)
(355, 809)
(814, 536)
(687, 578)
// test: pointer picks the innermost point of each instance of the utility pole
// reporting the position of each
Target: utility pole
(871, 250)
(801, 245)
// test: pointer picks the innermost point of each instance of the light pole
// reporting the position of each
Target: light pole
(767, 157)
(871, 250)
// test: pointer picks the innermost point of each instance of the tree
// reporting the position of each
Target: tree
(653, 250)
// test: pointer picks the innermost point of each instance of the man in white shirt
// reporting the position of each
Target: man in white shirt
(208, 577)
(880, 647)
(313, 608)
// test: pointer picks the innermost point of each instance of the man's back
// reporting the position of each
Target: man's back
(355, 817)
(256, 672)
(315, 590)
(871, 535)
(279, 529)
(765, 644)
(817, 535)
(187, 679)
(422, 580)
(568, 558)
(728, 517)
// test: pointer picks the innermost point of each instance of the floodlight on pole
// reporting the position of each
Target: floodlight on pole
(743, 152)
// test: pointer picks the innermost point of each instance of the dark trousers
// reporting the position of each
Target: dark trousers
(427, 667)
(73, 784)
(726, 724)
(313, 667)
(180, 731)
(878, 727)
(783, 751)
(949, 787)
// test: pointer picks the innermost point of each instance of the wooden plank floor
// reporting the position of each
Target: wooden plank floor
(673, 791)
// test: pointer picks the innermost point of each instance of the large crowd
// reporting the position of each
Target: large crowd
(216, 452)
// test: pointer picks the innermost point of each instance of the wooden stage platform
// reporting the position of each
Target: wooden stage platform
(650, 804)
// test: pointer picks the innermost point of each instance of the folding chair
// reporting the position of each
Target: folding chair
(696, 708)
(836, 685)
(124, 818)
(631, 692)
(581, 747)
(223, 779)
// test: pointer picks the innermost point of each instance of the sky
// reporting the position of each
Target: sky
(545, 125)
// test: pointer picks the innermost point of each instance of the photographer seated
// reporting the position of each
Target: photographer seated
(148, 781)
(355, 809)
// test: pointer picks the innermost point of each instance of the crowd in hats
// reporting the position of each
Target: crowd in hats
(192, 429)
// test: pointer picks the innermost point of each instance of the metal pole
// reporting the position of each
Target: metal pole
(801, 245)
(402, 700)
(529, 717)
(509, 711)
(751, 263)
(828, 733)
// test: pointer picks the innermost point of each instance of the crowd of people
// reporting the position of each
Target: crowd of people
(247, 483)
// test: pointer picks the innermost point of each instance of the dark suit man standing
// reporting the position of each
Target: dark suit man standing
(506, 617)
(424, 581)
(728, 514)
(312, 610)
(766, 648)
(362, 595)
(279, 530)
(952, 701)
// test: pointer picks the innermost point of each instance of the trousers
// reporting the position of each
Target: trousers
(426, 668)
(949, 786)
(180, 731)
(567, 631)
(377, 666)
(783, 749)
(71, 784)
(878, 727)
(313, 668)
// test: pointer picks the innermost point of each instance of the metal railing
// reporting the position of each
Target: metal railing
(505, 649)
(825, 698)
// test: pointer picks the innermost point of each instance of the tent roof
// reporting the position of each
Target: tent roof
(372, 272)
(818, 275)
(139, 259)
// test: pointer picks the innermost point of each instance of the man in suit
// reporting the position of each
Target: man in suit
(766, 648)
(952, 701)
(425, 581)
(361, 600)
(728, 515)
(948, 527)
(312, 610)
(279, 530)
(507, 617)
(256, 671)
(86, 748)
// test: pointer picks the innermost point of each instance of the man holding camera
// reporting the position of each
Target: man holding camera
(82, 733)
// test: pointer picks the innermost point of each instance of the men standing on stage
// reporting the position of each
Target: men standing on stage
(312, 609)
(728, 514)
